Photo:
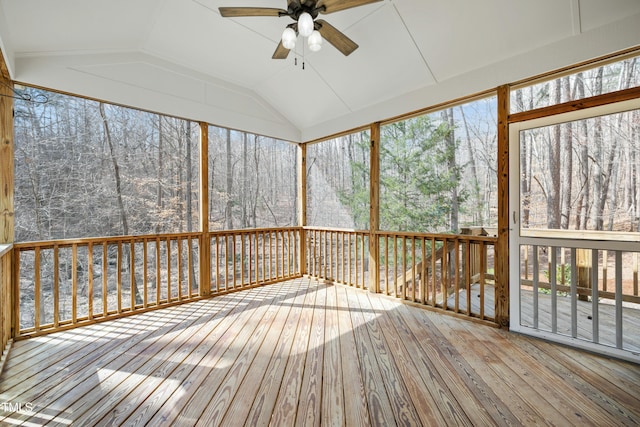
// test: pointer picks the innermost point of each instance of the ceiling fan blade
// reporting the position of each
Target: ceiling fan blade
(281, 52)
(331, 34)
(232, 12)
(331, 6)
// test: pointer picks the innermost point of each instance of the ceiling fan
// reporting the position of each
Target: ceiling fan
(304, 13)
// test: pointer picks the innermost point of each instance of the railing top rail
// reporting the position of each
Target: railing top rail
(610, 236)
(254, 230)
(22, 246)
(339, 230)
(439, 236)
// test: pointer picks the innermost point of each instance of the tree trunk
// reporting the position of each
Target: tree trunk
(477, 192)
(598, 178)
(159, 172)
(245, 180)
(123, 213)
(228, 211)
(567, 164)
(256, 160)
(450, 142)
(189, 178)
(553, 191)
(582, 210)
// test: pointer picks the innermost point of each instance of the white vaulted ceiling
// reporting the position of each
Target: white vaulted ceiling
(181, 57)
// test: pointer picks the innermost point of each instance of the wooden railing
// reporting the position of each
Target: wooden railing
(246, 258)
(588, 272)
(592, 248)
(339, 256)
(66, 283)
(443, 271)
(6, 300)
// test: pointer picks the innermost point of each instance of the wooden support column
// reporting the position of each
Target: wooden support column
(302, 205)
(502, 247)
(8, 299)
(7, 219)
(374, 209)
(205, 246)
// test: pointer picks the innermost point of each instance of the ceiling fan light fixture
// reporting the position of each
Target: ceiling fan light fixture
(305, 24)
(289, 38)
(315, 41)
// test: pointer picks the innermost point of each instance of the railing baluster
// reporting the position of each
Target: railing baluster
(456, 275)
(282, 254)
(119, 276)
(467, 273)
(132, 273)
(217, 261)
(483, 269)
(74, 284)
(90, 282)
(234, 261)
(618, 258)
(180, 268)
(395, 266)
(423, 272)
(536, 283)
(574, 293)
(553, 272)
(444, 268)
(145, 273)
(605, 264)
(36, 290)
(595, 298)
(362, 260)
(434, 293)
(105, 265)
(635, 274)
(158, 269)
(168, 245)
(257, 257)
(264, 259)
(56, 287)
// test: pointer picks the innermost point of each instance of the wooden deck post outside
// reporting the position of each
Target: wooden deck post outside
(374, 209)
(502, 247)
(205, 247)
(7, 220)
(302, 205)
(583, 264)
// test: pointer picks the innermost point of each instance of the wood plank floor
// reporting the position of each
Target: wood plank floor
(304, 353)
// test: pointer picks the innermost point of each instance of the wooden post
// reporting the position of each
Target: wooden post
(475, 254)
(374, 208)
(205, 247)
(6, 156)
(7, 219)
(302, 205)
(583, 264)
(502, 247)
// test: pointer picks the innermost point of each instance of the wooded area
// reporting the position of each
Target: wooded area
(85, 168)
(582, 175)
(438, 173)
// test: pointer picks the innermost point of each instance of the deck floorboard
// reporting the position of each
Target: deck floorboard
(308, 353)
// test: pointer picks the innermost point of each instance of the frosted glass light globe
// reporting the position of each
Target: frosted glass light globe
(315, 41)
(289, 38)
(305, 24)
